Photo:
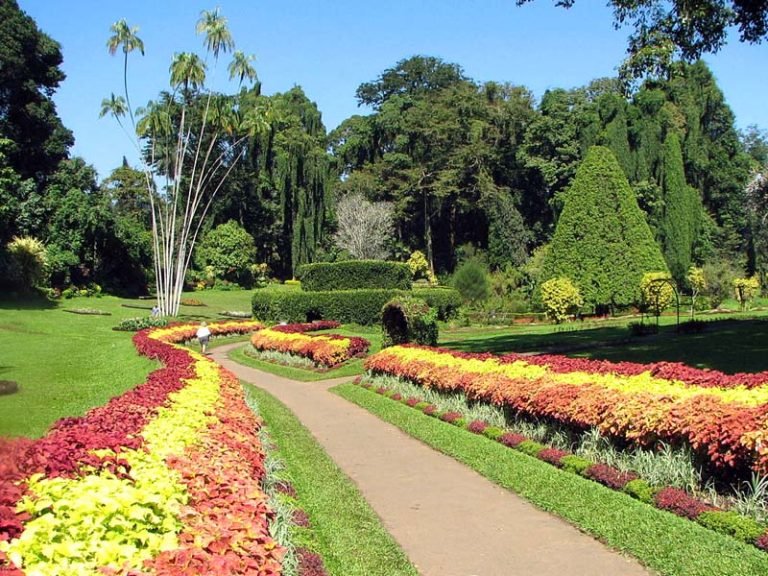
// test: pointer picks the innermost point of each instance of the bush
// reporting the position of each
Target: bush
(732, 524)
(609, 476)
(657, 292)
(530, 447)
(560, 299)
(407, 319)
(746, 289)
(355, 275)
(575, 464)
(640, 490)
(471, 280)
(681, 503)
(493, 432)
(358, 306)
(27, 262)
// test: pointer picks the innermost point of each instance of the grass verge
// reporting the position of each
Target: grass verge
(350, 537)
(668, 544)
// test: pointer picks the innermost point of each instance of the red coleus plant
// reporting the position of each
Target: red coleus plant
(610, 476)
(681, 503)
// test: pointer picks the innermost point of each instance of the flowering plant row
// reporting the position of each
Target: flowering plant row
(671, 499)
(728, 425)
(164, 479)
(326, 350)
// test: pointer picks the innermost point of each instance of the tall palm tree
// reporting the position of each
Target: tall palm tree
(217, 35)
(125, 36)
(241, 67)
(187, 71)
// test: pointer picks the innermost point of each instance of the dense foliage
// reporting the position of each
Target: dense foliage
(407, 319)
(602, 241)
(355, 274)
(358, 306)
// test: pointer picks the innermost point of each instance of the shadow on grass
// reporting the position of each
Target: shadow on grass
(526, 342)
(27, 303)
(730, 345)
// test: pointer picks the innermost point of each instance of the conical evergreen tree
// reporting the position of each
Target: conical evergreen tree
(681, 213)
(602, 241)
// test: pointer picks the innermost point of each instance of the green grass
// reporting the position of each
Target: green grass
(671, 545)
(67, 363)
(350, 537)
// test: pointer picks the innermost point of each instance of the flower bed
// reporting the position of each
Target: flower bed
(326, 350)
(164, 478)
(727, 423)
(671, 499)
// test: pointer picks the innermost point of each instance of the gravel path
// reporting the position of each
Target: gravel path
(449, 520)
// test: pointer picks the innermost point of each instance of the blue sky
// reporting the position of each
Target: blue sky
(329, 47)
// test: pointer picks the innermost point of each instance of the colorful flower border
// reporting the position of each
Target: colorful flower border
(727, 424)
(164, 478)
(325, 350)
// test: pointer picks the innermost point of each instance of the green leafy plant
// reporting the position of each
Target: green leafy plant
(354, 274)
(561, 299)
(408, 319)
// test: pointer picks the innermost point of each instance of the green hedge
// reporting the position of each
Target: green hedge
(345, 306)
(355, 275)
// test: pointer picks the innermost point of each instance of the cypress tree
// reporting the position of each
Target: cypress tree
(602, 241)
(681, 210)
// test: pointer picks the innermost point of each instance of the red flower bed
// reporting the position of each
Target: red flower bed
(681, 503)
(610, 476)
(552, 455)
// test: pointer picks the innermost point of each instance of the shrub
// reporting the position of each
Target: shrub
(552, 455)
(762, 542)
(421, 405)
(28, 262)
(419, 268)
(358, 306)
(640, 490)
(731, 523)
(530, 447)
(575, 464)
(560, 299)
(657, 292)
(681, 503)
(471, 280)
(408, 319)
(477, 426)
(746, 289)
(609, 476)
(355, 275)
(493, 432)
(512, 439)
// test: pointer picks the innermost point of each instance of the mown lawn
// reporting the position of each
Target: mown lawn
(66, 363)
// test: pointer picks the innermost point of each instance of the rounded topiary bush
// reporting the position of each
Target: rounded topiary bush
(407, 319)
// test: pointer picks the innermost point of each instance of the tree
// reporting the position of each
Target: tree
(184, 133)
(602, 241)
(471, 280)
(746, 289)
(363, 228)
(29, 259)
(29, 75)
(664, 28)
(681, 213)
(229, 250)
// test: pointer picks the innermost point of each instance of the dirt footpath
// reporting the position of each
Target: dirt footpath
(449, 520)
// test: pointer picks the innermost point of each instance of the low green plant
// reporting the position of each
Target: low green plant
(575, 464)
(530, 447)
(732, 523)
(640, 490)
(493, 432)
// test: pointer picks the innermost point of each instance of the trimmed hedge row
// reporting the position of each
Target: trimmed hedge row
(355, 275)
(345, 306)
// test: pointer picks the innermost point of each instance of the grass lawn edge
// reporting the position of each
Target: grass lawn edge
(663, 542)
(351, 538)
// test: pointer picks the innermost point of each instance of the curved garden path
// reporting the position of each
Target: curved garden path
(449, 520)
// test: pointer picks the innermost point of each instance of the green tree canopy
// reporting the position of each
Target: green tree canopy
(602, 241)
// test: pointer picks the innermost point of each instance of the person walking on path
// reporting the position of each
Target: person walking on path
(203, 335)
